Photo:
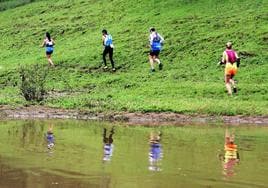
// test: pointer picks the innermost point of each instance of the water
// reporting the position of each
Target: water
(78, 154)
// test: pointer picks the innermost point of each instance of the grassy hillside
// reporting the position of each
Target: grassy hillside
(195, 34)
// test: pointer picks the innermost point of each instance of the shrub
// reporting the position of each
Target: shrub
(33, 82)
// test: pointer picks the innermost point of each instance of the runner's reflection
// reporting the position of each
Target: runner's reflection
(108, 145)
(231, 155)
(49, 136)
(155, 153)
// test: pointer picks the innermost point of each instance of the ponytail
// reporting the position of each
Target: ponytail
(48, 36)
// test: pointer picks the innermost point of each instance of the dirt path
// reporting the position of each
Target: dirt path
(40, 112)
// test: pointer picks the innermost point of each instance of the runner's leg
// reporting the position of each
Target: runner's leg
(111, 50)
(104, 53)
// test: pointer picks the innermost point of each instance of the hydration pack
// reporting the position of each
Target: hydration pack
(108, 40)
(156, 38)
(156, 43)
(231, 56)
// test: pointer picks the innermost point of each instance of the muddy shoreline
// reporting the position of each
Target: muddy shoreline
(165, 118)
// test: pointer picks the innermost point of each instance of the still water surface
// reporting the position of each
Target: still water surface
(40, 154)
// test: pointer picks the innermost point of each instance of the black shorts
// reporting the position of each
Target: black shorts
(154, 52)
(49, 52)
(108, 50)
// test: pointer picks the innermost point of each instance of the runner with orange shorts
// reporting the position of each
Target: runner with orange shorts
(231, 61)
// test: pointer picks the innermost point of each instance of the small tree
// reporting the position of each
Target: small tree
(32, 82)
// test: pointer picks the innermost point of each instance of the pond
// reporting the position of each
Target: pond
(61, 153)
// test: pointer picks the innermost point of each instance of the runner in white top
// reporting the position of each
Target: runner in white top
(156, 43)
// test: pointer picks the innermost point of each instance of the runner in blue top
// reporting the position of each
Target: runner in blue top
(156, 43)
(107, 42)
(48, 43)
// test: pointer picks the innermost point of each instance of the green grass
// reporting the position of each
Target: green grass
(9, 4)
(191, 83)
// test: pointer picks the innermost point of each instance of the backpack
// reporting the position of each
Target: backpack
(231, 56)
(108, 40)
(156, 43)
(156, 38)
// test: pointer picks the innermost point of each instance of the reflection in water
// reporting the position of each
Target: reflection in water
(50, 137)
(30, 134)
(190, 162)
(231, 156)
(108, 145)
(156, 153)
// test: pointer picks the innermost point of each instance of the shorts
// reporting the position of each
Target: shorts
(49, 52)
(230, 69)
(108, 50)
(154, 52)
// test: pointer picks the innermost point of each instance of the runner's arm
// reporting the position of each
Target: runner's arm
(224, 58)
(161, 38)
(151, 38)
(53, 42)
(222, 61)
(237, 59)
(103, 40)
(43, 43)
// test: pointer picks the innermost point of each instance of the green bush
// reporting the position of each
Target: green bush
(33, 82)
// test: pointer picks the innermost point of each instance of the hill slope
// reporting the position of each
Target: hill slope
(195, 34)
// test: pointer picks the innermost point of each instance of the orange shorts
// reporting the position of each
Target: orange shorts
(230, 69)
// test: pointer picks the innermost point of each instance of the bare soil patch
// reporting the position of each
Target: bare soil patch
(41, 112)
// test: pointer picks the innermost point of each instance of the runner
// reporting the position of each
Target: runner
(231, 61)
(108, 48)
(49, 44)
(156, 43)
